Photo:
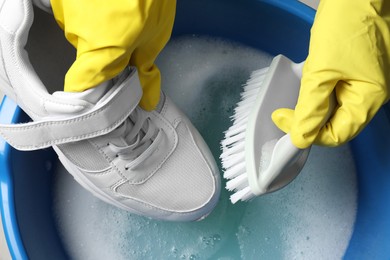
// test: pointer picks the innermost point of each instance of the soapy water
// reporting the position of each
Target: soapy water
(312, 218)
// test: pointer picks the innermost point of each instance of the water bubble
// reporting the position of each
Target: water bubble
(174, 250)
(217, 237)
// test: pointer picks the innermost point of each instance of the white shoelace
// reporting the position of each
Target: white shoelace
(141, 137)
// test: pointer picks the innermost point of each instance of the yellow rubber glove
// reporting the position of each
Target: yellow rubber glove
(109, 35)
(349, 53)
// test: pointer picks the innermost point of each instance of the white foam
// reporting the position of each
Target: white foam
(312, 218)
(206, 69)
(91, 229)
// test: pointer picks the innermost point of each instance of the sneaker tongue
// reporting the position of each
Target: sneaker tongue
(74, 103)
(161, 102)
(92, 95)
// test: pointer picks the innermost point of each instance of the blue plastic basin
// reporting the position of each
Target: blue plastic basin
(284, 26)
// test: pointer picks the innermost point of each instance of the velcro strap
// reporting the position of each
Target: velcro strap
(102, 119)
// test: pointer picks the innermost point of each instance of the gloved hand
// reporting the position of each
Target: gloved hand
(109, 35)
(349, 53)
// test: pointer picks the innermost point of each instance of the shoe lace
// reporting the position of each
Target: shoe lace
(141, 137)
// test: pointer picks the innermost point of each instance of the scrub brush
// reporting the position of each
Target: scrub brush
(257, 157)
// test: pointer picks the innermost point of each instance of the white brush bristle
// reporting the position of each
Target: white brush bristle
(243, 195)
(233, 145)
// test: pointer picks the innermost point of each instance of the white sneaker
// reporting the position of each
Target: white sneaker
(154, 164)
